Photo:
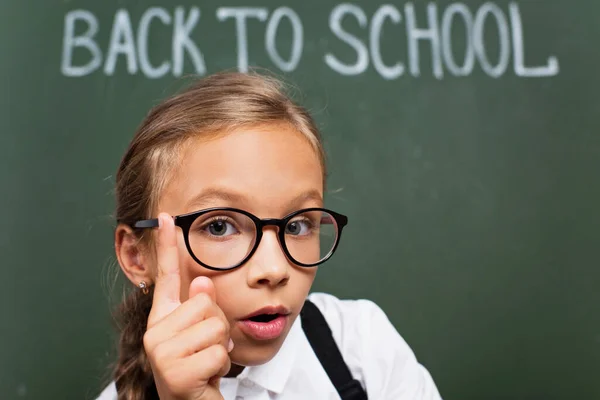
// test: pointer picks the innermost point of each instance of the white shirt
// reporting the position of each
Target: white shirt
(375, 353)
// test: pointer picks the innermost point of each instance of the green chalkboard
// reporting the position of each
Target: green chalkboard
(464, 145)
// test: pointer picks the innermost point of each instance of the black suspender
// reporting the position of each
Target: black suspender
(320, 338)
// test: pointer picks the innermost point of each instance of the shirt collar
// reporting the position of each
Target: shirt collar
(274, 374)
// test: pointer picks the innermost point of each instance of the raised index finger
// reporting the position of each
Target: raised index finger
(168, 281)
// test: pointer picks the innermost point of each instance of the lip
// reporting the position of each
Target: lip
(268, 310)
(265, 330)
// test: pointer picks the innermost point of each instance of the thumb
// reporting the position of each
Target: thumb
(215, 381)
(215, 393)
(203, 284)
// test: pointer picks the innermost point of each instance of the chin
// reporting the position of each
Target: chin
(249, 356)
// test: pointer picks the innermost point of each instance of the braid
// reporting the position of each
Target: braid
(132, 374)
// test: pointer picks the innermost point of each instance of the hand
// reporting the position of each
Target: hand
(187, 344)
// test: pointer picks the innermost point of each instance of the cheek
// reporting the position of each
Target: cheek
(302, 279)
(189, 269)
(231, 291)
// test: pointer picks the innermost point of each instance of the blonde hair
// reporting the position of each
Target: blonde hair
(211, 106)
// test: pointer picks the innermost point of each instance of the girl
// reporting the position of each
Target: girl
(221, 227)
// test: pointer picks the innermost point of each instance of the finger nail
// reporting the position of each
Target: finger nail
(162, 220)
(230, 347)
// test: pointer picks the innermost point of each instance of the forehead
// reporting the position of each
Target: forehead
(265, 169)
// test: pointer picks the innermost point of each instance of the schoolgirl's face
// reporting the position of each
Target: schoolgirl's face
(269, 171)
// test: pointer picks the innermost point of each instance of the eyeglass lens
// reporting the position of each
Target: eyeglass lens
(222, 239)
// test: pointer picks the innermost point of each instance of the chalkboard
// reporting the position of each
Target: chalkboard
(464, 146)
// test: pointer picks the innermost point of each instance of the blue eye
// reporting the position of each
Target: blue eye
(219, 227)
(298, 227)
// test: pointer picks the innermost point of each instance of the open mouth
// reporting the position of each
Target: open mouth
(265, 326)
(267, 323)
(264, 317)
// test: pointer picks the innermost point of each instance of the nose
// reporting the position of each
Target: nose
(268, 266)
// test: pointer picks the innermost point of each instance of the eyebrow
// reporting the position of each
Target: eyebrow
(305, 197)
(210, 196)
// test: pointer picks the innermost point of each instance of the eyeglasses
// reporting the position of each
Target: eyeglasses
(224, 238)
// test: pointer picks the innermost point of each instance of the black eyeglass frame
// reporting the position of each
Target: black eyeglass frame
(185, 222)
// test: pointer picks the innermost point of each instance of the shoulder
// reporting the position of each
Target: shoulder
(347, 318)
(109, 393)
(374, 351)
(353, 320)
(334, 307)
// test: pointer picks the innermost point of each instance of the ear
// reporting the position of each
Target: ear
(132, 256)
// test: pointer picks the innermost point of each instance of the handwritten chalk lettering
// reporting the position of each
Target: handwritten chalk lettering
(362, 53)
(490, 9)
(413, 27)
(297, 41)
(431, 33)
(550, 69)
(241, 14)
(436, 29)
(468, 63)
(123, 43)
(383, 13)
(85, 40)
(142, 42)
(182, 41)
